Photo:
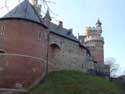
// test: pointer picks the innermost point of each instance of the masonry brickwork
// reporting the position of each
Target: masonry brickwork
(68, 54)
(26, 38)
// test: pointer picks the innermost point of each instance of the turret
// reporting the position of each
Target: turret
(94, 41)
(98, 26)
(47, 19)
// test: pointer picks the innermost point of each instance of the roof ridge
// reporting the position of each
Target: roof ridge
(37, 13)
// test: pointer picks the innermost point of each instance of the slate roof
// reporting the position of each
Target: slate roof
(82, 37)
(24, 10)
(62, 31)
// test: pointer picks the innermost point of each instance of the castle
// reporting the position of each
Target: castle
(23, 31)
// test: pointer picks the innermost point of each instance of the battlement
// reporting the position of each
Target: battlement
(94, 33)
(94, 38)
(92, 29)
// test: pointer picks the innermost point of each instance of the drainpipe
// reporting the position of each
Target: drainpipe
(47, 55)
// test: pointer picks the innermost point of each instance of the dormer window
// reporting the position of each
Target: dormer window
(69, 32)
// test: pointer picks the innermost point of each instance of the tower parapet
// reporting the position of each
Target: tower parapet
(93, 34)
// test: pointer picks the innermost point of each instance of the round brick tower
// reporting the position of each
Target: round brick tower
(94, 41)
(23, 47)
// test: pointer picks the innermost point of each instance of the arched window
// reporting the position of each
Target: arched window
(54, 50)
(54, 46)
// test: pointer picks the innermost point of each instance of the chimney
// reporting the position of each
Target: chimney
(60, 24)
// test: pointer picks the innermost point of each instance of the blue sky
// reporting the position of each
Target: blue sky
(78, 14)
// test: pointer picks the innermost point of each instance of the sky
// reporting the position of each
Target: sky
(77, 14)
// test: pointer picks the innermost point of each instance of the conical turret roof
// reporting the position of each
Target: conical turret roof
(24, 10)
(98, 22)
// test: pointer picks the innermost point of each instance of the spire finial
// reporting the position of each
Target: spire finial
(47, 18)
(98, 23)
(98, 26)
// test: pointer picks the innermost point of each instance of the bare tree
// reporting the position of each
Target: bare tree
(113, 66)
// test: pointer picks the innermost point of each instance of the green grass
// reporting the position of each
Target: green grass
(75, 82)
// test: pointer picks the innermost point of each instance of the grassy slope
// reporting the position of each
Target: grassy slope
(74, 82)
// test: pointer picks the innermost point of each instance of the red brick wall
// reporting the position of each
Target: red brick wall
(21, 37)
(98, 54)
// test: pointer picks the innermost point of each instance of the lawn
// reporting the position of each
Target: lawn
(75, 82)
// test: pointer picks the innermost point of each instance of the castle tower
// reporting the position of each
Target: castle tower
(94, 41)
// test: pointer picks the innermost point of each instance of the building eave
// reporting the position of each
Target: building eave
(16, 18)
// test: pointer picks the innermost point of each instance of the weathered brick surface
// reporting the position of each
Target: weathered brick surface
(21, 37)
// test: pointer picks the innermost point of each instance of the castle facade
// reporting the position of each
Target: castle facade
(24, 31)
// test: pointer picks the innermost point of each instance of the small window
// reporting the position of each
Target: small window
(69, 33)
(2, 27)
(54, 46)
(2, 31)
(39, 35)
